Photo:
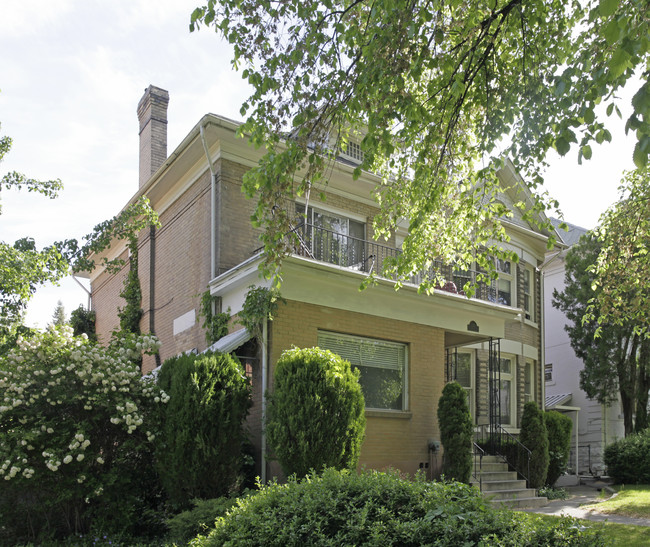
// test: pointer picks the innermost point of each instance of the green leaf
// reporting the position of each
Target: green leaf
(607, 7)
(639, 156)
(562, 146)
(586, 151)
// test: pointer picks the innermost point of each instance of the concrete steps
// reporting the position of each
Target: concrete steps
(503, 488)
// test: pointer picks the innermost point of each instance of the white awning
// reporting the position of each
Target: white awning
(231, 341)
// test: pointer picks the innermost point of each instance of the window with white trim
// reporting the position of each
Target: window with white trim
(382, 364)
(529, 381)
(353, 151)
(334, 238)
(506, 390)
(529, 293)
(548, 372)
(465, 375)
(504, 283)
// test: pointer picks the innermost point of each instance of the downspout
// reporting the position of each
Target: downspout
(213, 212)
(265, 380)
(152, 285)
(542, 327)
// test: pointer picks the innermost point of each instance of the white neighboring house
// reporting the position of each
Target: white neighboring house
(599, 425)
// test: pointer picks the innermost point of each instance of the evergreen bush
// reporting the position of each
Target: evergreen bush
(558, 428)
(377, 509)
(456, 430)
(534, 437)
(628, 459)
(199, 453)
(315, 415)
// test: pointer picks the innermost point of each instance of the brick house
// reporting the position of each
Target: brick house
(407, 345)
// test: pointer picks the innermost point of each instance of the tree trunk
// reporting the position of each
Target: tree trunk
(643, 387)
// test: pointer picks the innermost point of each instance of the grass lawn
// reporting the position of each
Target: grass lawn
(618, 534)
(631, 501)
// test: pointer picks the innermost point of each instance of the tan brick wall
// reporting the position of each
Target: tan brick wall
(390, 441)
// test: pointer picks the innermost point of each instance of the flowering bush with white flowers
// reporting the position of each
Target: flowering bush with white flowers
(75, 427)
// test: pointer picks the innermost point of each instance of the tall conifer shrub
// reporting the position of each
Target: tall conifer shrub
(455, 424)
(199, 454)
(534, 437)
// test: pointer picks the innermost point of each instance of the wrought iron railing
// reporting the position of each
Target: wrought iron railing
(495, 440)
(368, 256)
(478, 466)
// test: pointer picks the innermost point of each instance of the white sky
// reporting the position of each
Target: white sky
(71, 75)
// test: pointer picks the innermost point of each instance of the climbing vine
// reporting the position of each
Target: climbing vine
(260, 305)
(215, 324)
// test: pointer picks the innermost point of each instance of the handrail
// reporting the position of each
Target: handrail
(325, 245)
(500, 442)
(478, 475)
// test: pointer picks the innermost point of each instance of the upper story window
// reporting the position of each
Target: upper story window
(502, 290)
(529, 293)
(383, 367)
(548, 372)
(352, 150)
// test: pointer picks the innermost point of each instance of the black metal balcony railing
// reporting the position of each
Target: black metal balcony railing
(371, 257)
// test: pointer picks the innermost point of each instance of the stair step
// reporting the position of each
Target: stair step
(520, 503)
(500, 495)
(493, 466)
(514, 484)
(490, 476)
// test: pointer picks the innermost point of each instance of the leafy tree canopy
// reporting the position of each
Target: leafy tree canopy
(616, 361)
(437, 93)
(622, 271)
(24, 268)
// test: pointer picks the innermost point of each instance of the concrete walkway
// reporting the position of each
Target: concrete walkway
(584, 495)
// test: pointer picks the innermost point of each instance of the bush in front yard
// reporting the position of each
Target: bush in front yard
(315, 415)
(628, 459)
(456, 431)
(377, 509)
(558, 428)
(534, 437)
(76, 437)
(199, 453)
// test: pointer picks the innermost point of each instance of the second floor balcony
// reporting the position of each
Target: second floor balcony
(346, 251)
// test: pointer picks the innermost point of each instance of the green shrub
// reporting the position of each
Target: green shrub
(534, 437)
(198, 520)
(315, 415)
(199, 453)
(558, 428)
(551, 493)
(75, 436)
(628, 460)
(456, 430)
(377, 509)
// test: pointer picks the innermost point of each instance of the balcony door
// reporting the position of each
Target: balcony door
(334, 238)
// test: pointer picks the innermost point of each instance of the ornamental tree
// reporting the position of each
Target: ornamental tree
(75, 432)
(436, 94)
(456, 430)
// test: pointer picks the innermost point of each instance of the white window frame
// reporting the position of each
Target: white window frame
(548, 373)
(529, 381)
(529, 295)
(512, 378)
(327, 340)
(510, 277)
(470, 389)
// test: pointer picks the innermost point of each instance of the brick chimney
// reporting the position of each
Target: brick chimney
(152, 115)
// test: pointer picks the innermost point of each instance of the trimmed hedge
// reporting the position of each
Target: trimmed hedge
(380, 509)
(316, 413)
(628, 460)
(558, 428)
(456, 431)
(199, 451)
(534, 437)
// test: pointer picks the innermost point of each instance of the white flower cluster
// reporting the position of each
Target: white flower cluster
(54, 383)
